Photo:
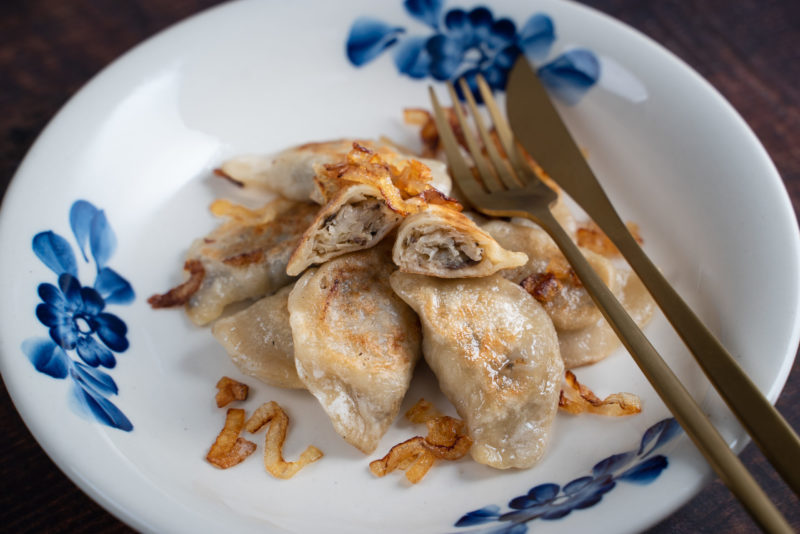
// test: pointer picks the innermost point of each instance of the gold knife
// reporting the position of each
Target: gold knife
(541, 131)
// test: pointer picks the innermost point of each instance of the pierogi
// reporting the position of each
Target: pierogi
(356, 343)
(495, 354)
(356, 218)
(244, 258)
(364, 197)
(291, 172)
(258, 340)
(391, 270)
(584, 335)
(439, 241)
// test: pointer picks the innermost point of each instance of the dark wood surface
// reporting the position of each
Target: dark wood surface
(748, 49)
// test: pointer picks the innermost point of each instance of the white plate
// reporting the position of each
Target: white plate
(139, 142)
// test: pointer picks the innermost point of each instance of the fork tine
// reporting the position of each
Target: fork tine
(455, 161)
(488, 177)
(504, 132)
(500, 124)
(501, 165)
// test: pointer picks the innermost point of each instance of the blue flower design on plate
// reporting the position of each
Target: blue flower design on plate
(76, 315)
(550, 501)
(467, 43)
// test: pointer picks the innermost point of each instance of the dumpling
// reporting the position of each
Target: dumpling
(244, 258)
(588, 345)
(585, 336)
(258, 340)
(439, 241)
(569, 305)
(357, 217)
(365, 198)
(495, 353)
(290, 173)
(356, 343)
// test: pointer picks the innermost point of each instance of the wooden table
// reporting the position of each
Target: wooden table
(748, 49)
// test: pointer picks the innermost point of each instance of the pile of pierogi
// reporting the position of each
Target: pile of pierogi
(366, 262)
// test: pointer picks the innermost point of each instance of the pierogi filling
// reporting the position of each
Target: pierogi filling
(446, 249)
(360, 223)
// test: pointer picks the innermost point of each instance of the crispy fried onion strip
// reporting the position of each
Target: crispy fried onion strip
(180, 295)
(578, 398)
(229, 390)
(434, 196)
(403, 187)
(237, 212)
(590, 236)
(272, 414)
(446, 440)
(229, 449)
(428, 133)
(422, 412)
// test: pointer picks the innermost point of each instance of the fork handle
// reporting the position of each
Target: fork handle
(722, 459)
(769, 430)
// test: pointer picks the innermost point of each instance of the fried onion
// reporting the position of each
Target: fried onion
(406, 187)
(180, 295)
(272, 414)
(266, 213)
(229, 390)
(446, 440)
(578, 398)
(590, 236)
(229, 449)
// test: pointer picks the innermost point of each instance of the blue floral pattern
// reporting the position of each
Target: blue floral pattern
(465, 43)
(550, 501)
(84, 337)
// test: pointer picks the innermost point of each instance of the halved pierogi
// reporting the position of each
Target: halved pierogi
(442, 242)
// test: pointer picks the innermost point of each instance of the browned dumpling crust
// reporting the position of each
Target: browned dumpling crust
(356, 343)
(495, 353)
(439, 241)
(258, 340)
(245, 258)
(585, 336)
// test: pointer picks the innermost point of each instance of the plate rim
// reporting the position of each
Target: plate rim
(119, 509)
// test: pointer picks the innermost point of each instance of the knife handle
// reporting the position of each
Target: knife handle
(674, 395)
(769, 430)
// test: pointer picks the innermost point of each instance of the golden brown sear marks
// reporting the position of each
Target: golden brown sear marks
(243, 258)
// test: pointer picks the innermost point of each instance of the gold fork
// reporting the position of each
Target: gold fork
(509, 188)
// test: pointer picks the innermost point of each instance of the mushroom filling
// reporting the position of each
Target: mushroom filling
(356, 225)
(444, 249)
